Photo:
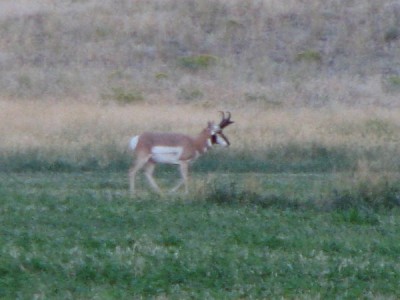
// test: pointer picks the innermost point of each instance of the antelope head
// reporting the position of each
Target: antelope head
(217, 136)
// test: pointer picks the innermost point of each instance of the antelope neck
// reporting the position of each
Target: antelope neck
(203, 142)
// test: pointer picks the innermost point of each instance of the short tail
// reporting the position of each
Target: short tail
(133, 142)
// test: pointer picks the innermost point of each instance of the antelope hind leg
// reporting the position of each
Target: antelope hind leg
(133, 170)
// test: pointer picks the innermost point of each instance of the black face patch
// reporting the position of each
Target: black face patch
(216, 139)
(213, 139)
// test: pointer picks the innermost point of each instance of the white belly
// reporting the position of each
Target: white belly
(167, 155)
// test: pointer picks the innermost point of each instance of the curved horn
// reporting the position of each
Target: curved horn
(225, 120)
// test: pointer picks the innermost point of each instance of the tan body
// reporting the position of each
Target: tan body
(192, 147)
(171, 148)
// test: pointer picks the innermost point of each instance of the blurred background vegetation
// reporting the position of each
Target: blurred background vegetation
(312, 85)
(236, 52)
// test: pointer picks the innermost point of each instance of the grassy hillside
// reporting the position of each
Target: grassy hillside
(266, 52)
(313, 86)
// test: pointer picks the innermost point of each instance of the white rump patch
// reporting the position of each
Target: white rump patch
(167, 155)
(133, 142)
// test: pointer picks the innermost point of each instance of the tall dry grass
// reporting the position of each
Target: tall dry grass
(79, 134)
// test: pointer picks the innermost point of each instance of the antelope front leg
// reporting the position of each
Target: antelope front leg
(149, 169)
(183, 167)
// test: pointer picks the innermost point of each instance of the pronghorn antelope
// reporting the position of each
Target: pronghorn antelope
(174, 148)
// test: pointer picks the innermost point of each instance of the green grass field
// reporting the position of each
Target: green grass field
(79, 236)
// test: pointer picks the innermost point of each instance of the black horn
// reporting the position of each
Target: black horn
(225, 120)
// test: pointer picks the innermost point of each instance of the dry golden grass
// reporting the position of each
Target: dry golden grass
(80, 130)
